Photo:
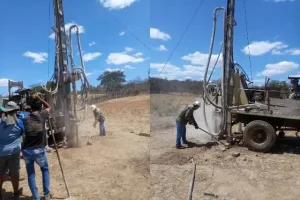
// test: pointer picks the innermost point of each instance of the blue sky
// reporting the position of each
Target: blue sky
(273, 31)
(27, 52)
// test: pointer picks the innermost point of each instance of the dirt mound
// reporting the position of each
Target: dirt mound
(171, 158)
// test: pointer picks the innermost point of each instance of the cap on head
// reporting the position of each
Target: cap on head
(197, 104)
(10, 106)
(93, 107)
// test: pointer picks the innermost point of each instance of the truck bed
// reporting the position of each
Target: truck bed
(282, 108)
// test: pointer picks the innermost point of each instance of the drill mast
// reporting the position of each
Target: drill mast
(63, 104)
(228, 63)
(64, 116)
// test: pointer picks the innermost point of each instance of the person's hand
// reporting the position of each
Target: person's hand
(35, 96)
(196, 127)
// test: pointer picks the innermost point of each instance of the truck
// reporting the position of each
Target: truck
(261, 120)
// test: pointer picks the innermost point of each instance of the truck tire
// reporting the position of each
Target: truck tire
(259, 136)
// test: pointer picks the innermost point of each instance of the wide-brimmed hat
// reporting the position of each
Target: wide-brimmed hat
(10, 106)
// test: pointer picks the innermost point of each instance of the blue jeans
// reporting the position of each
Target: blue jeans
(181, 133)
(102, 128)
(39, 156)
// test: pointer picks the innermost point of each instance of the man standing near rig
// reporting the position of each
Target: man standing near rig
(184, 117)
(99, 117)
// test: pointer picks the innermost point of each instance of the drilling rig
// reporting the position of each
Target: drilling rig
(58, 92)
(258, 122)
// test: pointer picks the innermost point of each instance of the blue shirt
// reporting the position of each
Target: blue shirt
(22, 114)
(10, 137)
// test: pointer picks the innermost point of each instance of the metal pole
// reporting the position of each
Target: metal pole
(64, 87)
(228, 68)
(73, 79)
(60, 165)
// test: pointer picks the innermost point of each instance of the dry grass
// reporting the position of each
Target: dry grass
(164, 107)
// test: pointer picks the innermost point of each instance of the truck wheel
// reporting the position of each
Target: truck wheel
(259, 136)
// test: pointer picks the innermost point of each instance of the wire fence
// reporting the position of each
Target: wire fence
(98, 98)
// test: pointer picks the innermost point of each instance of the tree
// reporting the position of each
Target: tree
(112, 80)
(278, 85)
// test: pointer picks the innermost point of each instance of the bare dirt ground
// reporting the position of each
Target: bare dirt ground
(249, 176)
(113, 167)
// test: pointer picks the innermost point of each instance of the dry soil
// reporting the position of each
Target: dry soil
(113, 167)
(232, 174)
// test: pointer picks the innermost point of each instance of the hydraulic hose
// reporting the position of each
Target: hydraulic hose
(85, 83)
(205, 77)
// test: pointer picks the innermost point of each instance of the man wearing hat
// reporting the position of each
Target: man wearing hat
(184, 117)
(11, 130)
(99, 117)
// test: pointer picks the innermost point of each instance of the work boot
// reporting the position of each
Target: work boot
(185, 145)
(179, 147)
(186, 142)
(48, 197)
(18, 194)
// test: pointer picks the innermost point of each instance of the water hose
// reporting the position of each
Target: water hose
(205, 79)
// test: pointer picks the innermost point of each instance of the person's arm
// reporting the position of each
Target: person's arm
(194, 121)
(96, 115)
(190, 118)
(48, 107)
(21, 126)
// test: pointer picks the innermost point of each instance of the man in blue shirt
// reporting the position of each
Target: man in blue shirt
(26, 110)
(11, 130)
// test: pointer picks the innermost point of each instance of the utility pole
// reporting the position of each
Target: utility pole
(228, 62)
(63, 106)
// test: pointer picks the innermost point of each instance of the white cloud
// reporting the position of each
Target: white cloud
(199, 58)
(173, 72)
(116, 4)
(67, 26)
(37, 57)
(129, 67)
(114, 70)
(92, 43)
(123, 58)
(90, 56)
(89, 73)
(122, 33)
(262, 47)
(293, 52)
(278, 68)
(128, 49)
(278, 1)
(4, 82)
(157, 34)
(139, 54)
(161, 48)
